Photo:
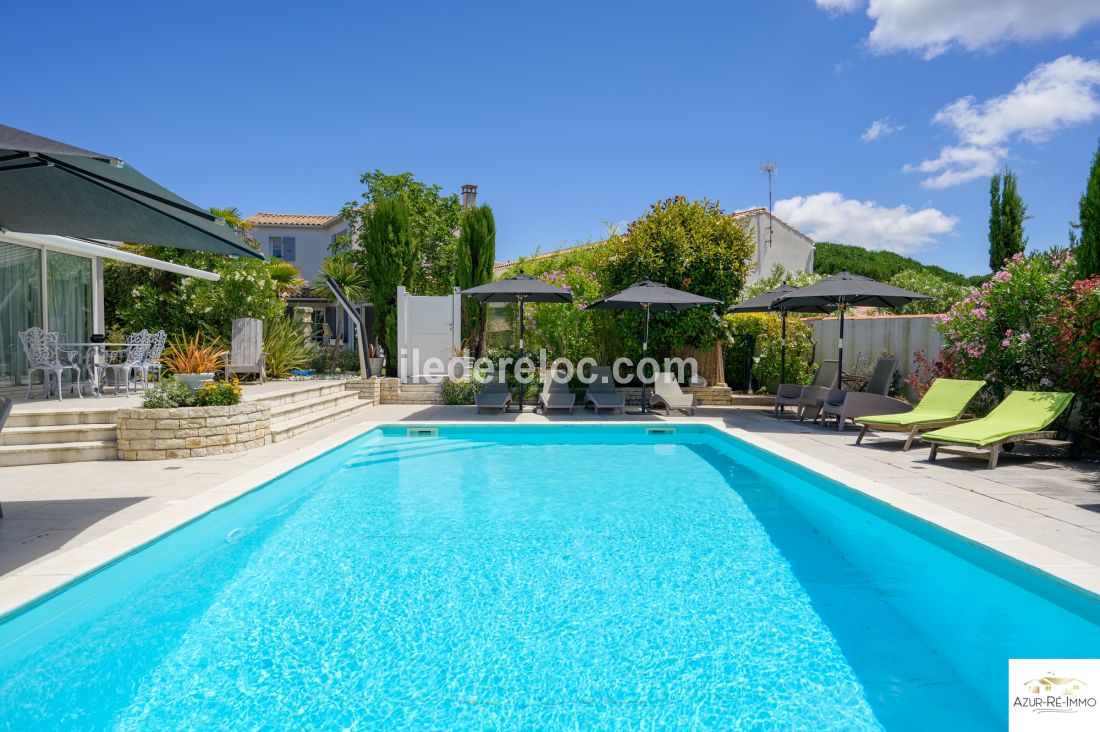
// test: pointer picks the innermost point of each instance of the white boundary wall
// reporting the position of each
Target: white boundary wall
(870, 337)
(428, 327)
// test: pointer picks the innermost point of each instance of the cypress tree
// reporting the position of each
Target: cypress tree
(1088, 248)
(1007, 213)
(995, 258)
(390, 254)
(475, 254)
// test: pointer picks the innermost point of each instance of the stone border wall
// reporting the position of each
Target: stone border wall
(183, 432)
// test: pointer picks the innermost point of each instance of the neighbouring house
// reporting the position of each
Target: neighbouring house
(305, 240)
(777, 242)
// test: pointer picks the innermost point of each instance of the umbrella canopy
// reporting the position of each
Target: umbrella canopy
(48, 187)
(521, 288)
(847, 289)
(649, 295)
(842, 291)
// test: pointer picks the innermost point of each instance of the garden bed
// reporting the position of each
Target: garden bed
(183, 432)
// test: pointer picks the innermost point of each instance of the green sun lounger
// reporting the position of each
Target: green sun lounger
(1022, 416)
(941, 406)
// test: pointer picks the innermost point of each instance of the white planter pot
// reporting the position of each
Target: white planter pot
(375, 366)
(194, 380)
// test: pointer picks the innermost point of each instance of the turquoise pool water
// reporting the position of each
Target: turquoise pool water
(542, 578)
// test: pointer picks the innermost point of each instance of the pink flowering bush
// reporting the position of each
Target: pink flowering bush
(1005, 332)
(1077, 345)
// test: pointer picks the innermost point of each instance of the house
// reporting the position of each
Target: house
(301, 239)
(304, 240)
(777, 242)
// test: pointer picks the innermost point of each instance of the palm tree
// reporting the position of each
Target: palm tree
(286, 276)
(349, 278)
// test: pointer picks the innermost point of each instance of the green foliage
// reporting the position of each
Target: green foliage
(1005, 331)
(778, 276)
(831, 258)
(434, 220)
(349, 276)
(474, 259)
(218, 394)
(460, 391)
(1088, 248)
(285, 346)
(689, 245)
(1077, 346)
(389, 255)
(944, 294)
(168, 394)
(766, 330)
(1006, 219)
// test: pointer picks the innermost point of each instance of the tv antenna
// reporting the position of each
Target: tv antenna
(769, 169)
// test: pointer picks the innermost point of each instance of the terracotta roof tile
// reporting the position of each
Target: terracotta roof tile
(273, 219)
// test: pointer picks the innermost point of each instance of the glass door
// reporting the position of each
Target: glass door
(20, 307)
(69, 297)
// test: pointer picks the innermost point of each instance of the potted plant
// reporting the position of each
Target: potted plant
(461, 363)
(375, 359)
(192, 361)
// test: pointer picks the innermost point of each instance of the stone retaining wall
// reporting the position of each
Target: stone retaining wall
(182, 432)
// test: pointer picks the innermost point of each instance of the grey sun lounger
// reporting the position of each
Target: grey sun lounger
(790, 395)
(493, 395)
(602, 393)
(846, 405)
(667, 393)
(555, 394)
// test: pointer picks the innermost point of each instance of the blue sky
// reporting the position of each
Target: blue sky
(569, 116)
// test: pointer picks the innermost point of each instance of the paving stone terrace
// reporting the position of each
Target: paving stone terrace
(63, 519)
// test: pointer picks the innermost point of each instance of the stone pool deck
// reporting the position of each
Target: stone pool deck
(61, 521)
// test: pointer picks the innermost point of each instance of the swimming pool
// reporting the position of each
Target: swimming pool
(542, 577)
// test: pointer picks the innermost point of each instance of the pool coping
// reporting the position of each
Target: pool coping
(25, 588)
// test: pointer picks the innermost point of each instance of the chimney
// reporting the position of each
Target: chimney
(469, 196)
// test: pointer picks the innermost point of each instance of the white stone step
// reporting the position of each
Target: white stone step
(47, 434)
(291, 428)
(301, 394)
(294, 410)
(57, 452)
(48, 418)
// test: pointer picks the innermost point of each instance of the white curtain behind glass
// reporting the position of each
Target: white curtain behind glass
(20, 307)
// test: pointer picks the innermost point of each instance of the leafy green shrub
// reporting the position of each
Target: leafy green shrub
(168, 394)
(944, 294)
(766, 330)
(285, 346)
(1005, 332)
(831, 258)
(1077, 346)
(218, 394)
(689, 245)
(460, 391)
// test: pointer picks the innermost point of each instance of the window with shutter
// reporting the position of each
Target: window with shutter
(288, 248)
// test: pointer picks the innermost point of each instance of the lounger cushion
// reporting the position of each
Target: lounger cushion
(944, 401)
(1021, 412)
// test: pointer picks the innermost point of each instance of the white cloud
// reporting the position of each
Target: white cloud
(830, 216)
(1053, 96)
(839, 6)
(880, 128)
(931, 27)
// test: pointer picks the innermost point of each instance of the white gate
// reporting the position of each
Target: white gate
(429, 334)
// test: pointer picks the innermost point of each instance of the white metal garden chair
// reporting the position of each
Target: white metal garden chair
(43, 352)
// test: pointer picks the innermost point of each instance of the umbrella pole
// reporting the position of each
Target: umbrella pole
(522, 387)
(645, 351)
(840, 350)
(783, 351)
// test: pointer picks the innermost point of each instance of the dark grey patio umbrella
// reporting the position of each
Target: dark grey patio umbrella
(48, 187)
(520, 289)
(844, 290)
(647, 295)
(765, 302)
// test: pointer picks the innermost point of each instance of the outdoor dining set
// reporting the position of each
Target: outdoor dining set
(92, 365)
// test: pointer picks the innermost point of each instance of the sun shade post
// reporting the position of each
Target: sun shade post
(840, 348)
(645, 352)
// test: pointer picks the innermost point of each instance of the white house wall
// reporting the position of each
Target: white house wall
(788, 248)
(311, 244)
